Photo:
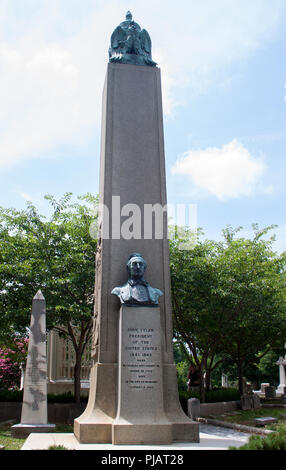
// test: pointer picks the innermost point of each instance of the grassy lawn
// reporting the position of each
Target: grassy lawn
(238, 417)
(247, 417)
(11, 443)
(6, 439)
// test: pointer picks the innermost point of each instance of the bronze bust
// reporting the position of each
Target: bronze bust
(137, 291)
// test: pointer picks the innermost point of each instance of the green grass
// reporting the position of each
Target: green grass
(238, 417)
(12, 443)
(273, 441)
(57, 448)
(247, 417)
(6, 439)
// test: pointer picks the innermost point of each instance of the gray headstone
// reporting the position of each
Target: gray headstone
(256, 401)
(246, 402)
(34, 408)
(265, 420)
(194, 408)
(270, 392)
(263, 386)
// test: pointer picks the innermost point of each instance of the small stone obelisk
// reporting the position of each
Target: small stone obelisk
(34, 417)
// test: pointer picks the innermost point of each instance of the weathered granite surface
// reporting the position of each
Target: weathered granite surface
(141, 418)
(34, 408)
(132, 171)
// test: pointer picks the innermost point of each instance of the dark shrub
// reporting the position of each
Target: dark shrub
(213, 396)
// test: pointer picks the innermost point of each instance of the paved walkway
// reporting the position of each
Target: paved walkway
(211, 438)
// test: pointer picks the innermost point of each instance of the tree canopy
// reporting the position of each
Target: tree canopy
(56, 255)
(229, 298)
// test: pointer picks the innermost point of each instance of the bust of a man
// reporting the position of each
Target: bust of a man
(137, 291)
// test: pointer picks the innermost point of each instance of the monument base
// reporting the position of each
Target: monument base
(208, 442)
(95, 424)
(24, 430)
(148, 407)
(93, 432)
(141, 434)
(280, 389)
(187, 431)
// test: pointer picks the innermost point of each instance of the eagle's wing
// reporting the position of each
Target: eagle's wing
(145, 41)
(118, 38)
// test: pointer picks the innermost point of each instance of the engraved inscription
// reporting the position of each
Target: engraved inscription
(142, 361)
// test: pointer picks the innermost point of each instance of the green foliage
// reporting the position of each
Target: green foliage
(64, 398)
(11, 396)
(59, 447)
(226, 366)
(17, 397)
(212, 396)
(179, 352)
(274, 441)
(182, 373)
(223, 394)
(56, 256)
(61, 398)
(267, 370)
(7, 440)
(228, 298)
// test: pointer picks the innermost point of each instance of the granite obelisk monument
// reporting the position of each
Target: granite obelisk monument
(133, 384)
(34, 417)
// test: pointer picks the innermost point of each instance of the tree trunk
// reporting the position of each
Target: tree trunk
(202, 386)
(240, 376)
(77, 374)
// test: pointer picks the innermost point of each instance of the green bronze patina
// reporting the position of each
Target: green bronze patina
(137, 291)
(130, 44)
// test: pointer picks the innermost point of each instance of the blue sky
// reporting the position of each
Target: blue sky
(224, 97)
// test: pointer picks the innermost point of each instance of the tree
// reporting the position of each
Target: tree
(252, 292)
(12, 355)
(56, 256)
(228, 299)
(195, 307)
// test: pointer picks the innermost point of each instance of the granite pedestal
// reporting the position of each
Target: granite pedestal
(132, 171)
(141, 418)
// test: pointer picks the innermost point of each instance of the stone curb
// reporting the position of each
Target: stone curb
(237, 427)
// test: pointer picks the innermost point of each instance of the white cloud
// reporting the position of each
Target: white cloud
(53, 58)
(227, 172)
(280, 243)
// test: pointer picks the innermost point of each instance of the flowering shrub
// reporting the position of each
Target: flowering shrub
(11, 359)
